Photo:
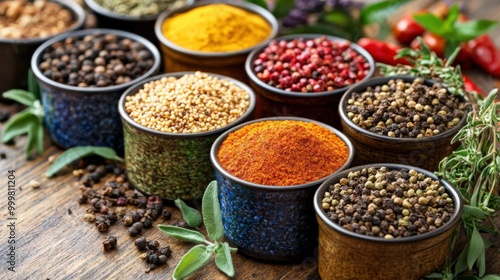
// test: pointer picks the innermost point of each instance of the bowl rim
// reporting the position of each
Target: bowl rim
(78, 13)
(253, 77)
(218, 167)
(380, 80)
(455, 218)
(250, 7)
(98, 9)
(137, 86)
(37, 55)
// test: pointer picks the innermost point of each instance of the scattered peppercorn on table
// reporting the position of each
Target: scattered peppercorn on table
(53, 242)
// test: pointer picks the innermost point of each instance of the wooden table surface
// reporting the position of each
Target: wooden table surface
(53, 241)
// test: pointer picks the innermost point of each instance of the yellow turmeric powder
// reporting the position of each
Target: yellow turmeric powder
(216, 28)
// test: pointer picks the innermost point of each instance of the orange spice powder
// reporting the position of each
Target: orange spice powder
(282, 153)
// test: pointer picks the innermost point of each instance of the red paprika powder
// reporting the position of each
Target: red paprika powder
(282, 153)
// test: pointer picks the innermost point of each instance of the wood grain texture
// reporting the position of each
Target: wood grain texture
(51, 243)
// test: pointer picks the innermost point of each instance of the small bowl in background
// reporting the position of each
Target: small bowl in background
(269, 222)
(82, 116)
(143, 26)
(15, 54)
(171, 165)
(319, 106)
(344, 254)
(371, 147)
(229, 64)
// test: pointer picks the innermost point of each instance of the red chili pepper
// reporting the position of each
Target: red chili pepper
(382, 51)
(485, 54)
(471, 86)
(407, 29)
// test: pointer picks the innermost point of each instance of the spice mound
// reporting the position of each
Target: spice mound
(98, 60)
(138, 8)
(37, 19)
(388, 203)
(193, 103)
(216, 28)
(406, 110)
(282, 153)
(310, 65)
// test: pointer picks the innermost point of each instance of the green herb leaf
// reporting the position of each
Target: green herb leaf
(476, 246)
(260, 3)
(467, 277)
(223, 259)
(327, 29)
(193, 260)
(24, 97)
(434, 275)
(431, 22)
(474, 211)
(75, 153)
(379, 11)
(32, 138)
(466, 31)
(183, 233)
(338, 17)
(17, 125)
(490, 277)
(190, 215)
(481, 263)
(452, 17)
(210, 208)
(282, 8)
(33, 86)
(39, 140)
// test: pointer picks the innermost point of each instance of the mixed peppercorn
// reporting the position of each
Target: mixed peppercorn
(388, 203)
(310, 65)
(406, 110)
(98, 60)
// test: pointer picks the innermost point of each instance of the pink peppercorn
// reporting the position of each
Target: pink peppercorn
(310, 65)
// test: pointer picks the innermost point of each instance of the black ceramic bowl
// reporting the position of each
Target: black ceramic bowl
(82, 116)
(320, 106)
(231, 64)
(371, 147)
(15, 54)
(143, 26)
(269, 222)
(344, 254)
(171, 165)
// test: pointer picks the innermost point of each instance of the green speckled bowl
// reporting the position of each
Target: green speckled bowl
(171, 165)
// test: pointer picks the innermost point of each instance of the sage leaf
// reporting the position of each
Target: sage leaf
(75, 153)
(430, 22)
(476, 246)
(481, 263)
(282, 8)
(193, 260)
(190, 215)
(39, 140)
(183, 233)
(461, 263)
(490, 277)
(223, 259)
(22, 96)
(474, 211)
(260, 3)
(434, 275)
(17, 125)
(379, 11)
(32, 138)
(212, 217)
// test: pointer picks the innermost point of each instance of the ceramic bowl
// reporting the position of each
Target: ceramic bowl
(269, 222)
(15, 54)
(143, 26)
(230, 64)
(424, 152)
(171, 165)
(81, 116)
(320, 106)
(347, 255)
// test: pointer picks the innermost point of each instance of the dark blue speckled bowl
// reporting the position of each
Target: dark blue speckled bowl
(269, 222)
(77, 116)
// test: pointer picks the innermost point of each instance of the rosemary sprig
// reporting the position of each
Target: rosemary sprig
(474, 168)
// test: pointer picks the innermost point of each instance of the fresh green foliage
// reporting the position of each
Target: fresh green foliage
(282, 7)
(75, 153)
(28, 121)
(379, 11)
(261, 3)
(452, 30)
(200, 254)
(474, 168)
(190, 215)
